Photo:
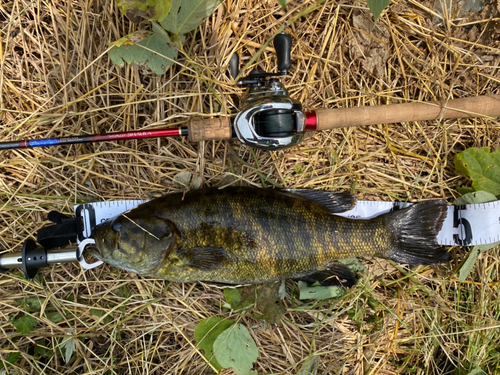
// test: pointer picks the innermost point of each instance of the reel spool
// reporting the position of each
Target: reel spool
(269, 119)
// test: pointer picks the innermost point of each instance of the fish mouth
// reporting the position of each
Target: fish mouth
(93, 250)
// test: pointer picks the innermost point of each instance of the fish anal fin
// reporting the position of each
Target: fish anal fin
(333, 202)
(203, 258)
(335, 275)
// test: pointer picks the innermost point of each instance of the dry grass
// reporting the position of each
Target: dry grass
(56, 80)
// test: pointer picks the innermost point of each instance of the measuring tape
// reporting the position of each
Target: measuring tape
(465, 225)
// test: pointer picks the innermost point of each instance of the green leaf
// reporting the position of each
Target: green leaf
(123, 292)
(475, 197)
(482, 167)
(54, 316)
(269, 303)
(319, 292)
(377, 6)
(465, 190)
(235, 299)
(31, 305)
(235, 348)
(11, 358)
(25, 324)
(472, 198)
(265, 299)
(471, 260)
(353, 264)
(186, 15)
(206, 332)
(282, 3)
(140, 10)
(100, 314)
(154, 50)
(68, 347)
(41, 348)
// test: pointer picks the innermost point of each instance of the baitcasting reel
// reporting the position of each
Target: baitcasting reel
(269, 119)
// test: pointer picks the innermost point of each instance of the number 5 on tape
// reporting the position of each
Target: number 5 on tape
(460, 223)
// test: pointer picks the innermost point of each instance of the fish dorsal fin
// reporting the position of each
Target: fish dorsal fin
(336, 274)
(333, 202)
(203, 258)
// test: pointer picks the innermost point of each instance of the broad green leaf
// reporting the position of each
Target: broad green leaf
(235, 299)
(377, 6)
(465, 190)
(319, 292)
(282, 3)
(141, 10)
(11, 358)
(205, 334)
(32, 304)
(482, 167)
(25, 324)
(471, 198)
(475, 197)
(154, 50)
(68, 347)
(235, 348)
(186, 15)
(54, 316)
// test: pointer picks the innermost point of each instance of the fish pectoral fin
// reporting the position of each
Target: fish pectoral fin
(203, 258)
(333, 202)
(335, 275)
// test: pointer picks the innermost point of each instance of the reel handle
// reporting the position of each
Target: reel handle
(283, 46)
(234, 65)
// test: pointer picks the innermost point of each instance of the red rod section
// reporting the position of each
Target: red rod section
(311, 121)
(94, 138)
(136, 135)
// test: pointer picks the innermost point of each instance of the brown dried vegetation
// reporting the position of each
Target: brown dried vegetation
(56, 80)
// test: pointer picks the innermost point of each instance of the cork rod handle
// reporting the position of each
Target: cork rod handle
(479, 106)
(209, 129)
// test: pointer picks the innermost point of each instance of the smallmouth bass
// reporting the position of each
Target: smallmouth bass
(246, 235)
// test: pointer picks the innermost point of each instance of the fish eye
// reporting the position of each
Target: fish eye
(117, 227)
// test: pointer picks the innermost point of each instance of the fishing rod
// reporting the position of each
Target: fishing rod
(269, 119)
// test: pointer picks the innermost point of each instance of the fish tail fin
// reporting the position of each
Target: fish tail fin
(414, 230)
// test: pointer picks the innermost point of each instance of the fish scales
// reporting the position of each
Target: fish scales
(245, 235)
